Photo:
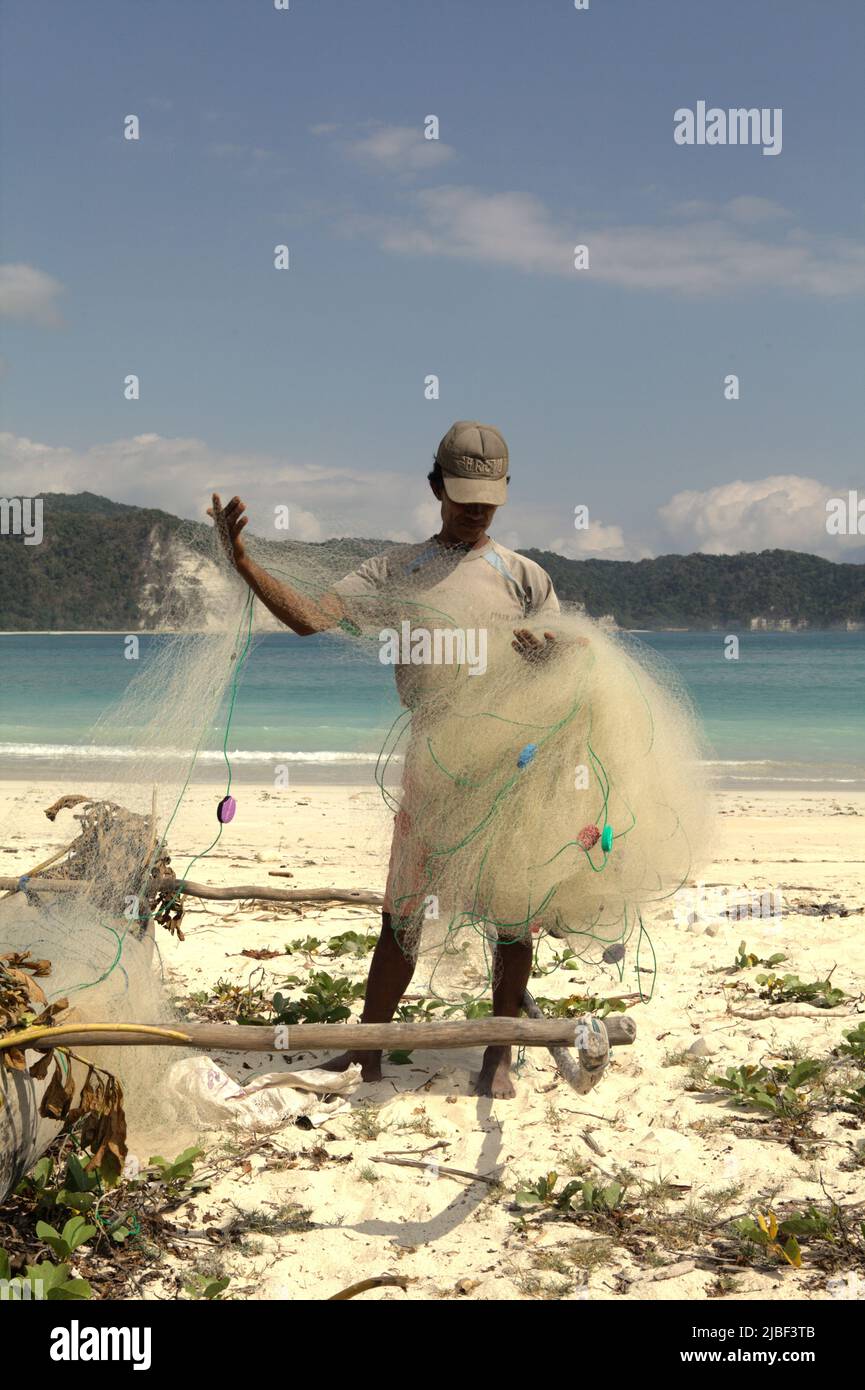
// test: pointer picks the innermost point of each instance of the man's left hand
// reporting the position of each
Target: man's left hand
(530, 646)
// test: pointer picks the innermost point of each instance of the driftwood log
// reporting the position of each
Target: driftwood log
(205, 890)
(316, 1037)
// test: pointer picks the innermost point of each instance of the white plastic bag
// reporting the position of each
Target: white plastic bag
(267, 1101)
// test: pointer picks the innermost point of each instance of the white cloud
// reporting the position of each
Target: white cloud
(398, 149)
(710, 255)
(694, 207)
(179, 475)
(499, 228)
(599, 542)
(253, 155)
(29, 294)
(742, 209)
(426, 516)
(783, 512)
(753, 209)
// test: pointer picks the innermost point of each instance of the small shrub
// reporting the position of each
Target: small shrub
(745, 959)
(328, 999)
(854, 1044)
(64, 1243)
(202, 1286)
(576, 1196)
(43, 1280)
(789, 989)
(777, 1090)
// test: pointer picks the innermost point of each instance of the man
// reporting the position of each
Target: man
(459, 570)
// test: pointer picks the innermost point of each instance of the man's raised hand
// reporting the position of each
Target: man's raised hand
(229, 522)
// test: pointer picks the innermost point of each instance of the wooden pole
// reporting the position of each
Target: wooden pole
(205, 890)
(317, 1037)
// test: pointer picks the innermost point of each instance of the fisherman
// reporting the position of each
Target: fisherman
(460, 569)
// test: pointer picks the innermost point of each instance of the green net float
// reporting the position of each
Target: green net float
(607, 839)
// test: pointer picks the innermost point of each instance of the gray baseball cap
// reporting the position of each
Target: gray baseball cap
(474, 461)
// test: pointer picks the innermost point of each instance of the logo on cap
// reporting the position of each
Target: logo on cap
(476, 468)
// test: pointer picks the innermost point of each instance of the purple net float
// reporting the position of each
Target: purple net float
(226, 809)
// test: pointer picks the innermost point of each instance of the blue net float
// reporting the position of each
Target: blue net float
(526, 755)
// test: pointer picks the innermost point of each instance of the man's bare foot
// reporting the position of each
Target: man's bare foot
(495, 1078)
(370, 1064)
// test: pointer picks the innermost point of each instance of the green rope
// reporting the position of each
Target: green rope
(248, 614)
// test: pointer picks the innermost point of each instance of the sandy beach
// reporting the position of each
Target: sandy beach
(336, 1215)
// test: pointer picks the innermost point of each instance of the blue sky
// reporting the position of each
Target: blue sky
(411, 257)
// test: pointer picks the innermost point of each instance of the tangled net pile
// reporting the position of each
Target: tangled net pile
(98, 934)
(558, 798)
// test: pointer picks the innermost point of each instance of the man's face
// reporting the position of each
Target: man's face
(466, 520)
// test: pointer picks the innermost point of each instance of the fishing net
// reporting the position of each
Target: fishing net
(551, 790)
(98, 932)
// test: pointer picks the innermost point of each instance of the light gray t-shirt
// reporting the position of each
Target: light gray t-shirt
(433, 586)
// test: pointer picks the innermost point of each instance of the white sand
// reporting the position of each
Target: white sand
(455, 1238)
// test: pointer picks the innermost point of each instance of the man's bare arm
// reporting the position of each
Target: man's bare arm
(303, 615)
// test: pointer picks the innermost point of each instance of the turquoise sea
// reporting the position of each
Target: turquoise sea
(789, 712)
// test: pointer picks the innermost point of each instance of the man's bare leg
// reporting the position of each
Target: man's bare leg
(512, 965)
(390, 972)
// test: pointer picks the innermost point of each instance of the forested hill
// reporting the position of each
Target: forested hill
(702, 591)
(104, 564)
(93, 569)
